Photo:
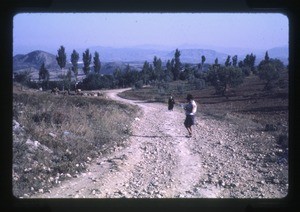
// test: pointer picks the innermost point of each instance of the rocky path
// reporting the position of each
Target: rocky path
(220, 161)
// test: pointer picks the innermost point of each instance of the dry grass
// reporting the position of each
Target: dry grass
(72, 127)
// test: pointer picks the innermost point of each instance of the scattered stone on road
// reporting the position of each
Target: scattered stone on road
(221, 160)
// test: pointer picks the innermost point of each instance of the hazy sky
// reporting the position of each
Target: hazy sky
(82, 30)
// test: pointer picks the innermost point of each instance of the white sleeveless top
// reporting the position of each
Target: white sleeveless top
(191, 108)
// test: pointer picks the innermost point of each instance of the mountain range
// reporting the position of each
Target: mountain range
(113, 57)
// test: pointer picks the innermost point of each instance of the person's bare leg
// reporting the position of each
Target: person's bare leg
(189, 129)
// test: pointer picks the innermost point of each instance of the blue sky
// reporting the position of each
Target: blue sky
(48, 31)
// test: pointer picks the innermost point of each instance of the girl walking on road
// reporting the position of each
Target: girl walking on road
(190, 110)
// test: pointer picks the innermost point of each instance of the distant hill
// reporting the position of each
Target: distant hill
(280, 53)
(128, 54)
(194, 55)
(34, 60)
(189, 53)
(147, 53)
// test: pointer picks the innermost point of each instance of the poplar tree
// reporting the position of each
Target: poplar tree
(87, 58)
(216, 62)
(61, 59)
(74, 61)
(97, 63)
(227, 62)
(44, 75)
(234, 60)
(267, 58)
(168, 76)
(177, 65)
(145, 72)
(157, 65)
(202, 61)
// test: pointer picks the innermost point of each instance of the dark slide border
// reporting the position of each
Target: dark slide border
(11, 7)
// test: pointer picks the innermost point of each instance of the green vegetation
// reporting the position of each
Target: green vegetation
(23, 77)
(97, 63)
(94, 81)
(269, 70)
(74, 61)
(222, 77)
(87, 58)
(203, 58)
(61, 59)
(44, 76)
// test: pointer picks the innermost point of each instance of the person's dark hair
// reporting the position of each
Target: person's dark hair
(189, 97)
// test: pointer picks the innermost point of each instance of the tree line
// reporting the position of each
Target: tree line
(220, 76)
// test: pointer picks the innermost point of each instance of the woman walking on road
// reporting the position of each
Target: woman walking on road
(190, 110)
(171, 103)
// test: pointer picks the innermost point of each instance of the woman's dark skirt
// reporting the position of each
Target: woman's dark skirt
(170, 106)
(189, 120)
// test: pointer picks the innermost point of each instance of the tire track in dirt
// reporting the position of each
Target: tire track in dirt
(158, 161)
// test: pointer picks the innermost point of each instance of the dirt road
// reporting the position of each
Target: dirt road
(160, 162)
